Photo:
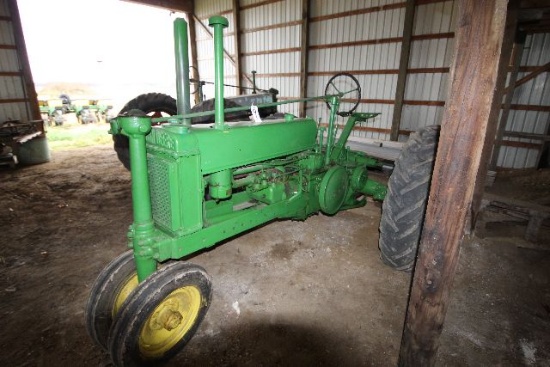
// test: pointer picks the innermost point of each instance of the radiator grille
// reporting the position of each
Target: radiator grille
(161, 200)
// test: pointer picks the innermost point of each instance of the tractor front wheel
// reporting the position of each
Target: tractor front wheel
(161, 315)
(405, 203)
(111, 288)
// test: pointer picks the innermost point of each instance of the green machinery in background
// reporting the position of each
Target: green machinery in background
(194, 186)
(86, 110)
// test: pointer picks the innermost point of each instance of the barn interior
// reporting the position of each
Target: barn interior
(314, 291)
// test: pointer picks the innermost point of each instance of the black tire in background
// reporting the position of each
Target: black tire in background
(158, 105)
(153, 104)
(405, 203)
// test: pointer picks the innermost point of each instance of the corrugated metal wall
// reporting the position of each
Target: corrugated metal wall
(528, 113)
(364, 37)
(14, 100)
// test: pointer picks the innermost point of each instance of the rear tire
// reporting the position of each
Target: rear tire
(405, 203)
(153, 104)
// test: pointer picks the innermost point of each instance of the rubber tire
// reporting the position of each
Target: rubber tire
(124, 336)
(107, 286)
(152, 102)
(405, 203)
(147, 103)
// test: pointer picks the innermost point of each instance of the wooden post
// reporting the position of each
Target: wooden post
(237, 42)
(465, 129)
(304, 53)
(403, 65)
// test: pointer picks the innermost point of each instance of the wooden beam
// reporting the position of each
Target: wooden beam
(465, 129)
(184, 6)
(304, 53)
(403, 66)
(517, 52)
(539, 70)
(237, 42)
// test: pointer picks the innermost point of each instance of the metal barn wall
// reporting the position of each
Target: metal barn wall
(429, 63)
(205, 44)
(530, 110)
(270, 41)
(364, 38)
(17, 102)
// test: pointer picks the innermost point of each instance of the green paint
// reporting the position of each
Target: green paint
(195, 186)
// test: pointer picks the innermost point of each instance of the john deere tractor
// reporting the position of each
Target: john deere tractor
(194, 186)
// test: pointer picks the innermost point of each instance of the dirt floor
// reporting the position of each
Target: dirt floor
(310, 293)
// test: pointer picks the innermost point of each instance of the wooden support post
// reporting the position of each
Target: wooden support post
(304, 53)
(195, 73)
(403, 66)
(237, 43)
(517, 52)
(465, 128)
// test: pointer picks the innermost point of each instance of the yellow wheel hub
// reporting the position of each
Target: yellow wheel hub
(130, 284)
(170, 322)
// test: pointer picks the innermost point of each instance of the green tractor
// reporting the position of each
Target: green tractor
(194, 186)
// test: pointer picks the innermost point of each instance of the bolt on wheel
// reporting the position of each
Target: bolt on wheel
(161, 315)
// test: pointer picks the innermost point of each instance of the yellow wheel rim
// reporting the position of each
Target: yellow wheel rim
(170, 322)
(130, 284)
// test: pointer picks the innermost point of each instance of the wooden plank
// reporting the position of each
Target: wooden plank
(14, 100)
(184, 6)
(403, 66)
(261, 3)
(273, 26)
(529, 107)
(11, 73)
(304, 53)
(237, 43)
(539, 70)
(270, 52)
(378, 41)
(350, 13)
(464, 134)
(8, 47)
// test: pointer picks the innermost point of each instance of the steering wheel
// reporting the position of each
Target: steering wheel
(347, 87)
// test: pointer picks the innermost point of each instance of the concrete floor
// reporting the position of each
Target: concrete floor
(310, 293)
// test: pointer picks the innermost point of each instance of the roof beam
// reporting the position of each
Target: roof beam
(184, 6)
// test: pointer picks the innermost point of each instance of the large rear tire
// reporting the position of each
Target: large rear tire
(154, 105)
(405, 203)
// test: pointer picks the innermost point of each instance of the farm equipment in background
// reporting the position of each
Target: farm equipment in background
(86, 110)
(194, 186)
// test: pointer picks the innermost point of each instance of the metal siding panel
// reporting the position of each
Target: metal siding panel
(206, 8)
(535, 92)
